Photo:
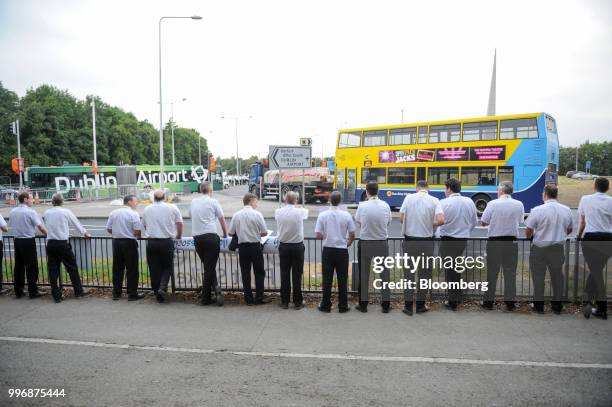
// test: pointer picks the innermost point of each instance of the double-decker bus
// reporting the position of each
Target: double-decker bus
(481, 152)
(67, 178)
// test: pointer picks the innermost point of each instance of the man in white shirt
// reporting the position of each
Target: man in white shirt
(595, 231)
(58, 221)
(333, 226)
(373, 216)
(460, 218)
(24, 222)
(124, 225)
(420, 214)
(503, 216)
(3, 228)
(250, 226)
(548, 225)
(290, 222)
(205, 212)
(162, 223)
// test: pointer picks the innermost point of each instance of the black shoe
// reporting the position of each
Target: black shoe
(422, 310)
(299, 305)
(18, 294)
(386, 309)
(362, 306)
(450, 306)
(343, 310)
(84, 293)
(535, 309)
(586, 310)
(487, 305)
(58, 299)
(209, 301)
(557, 311)
(407, 311)
(284, 305)
(321, 308)
(38, 294)
(219, 296)
(599, 314)
(136, 297)
(116, 297)
(263, 300)
(160, 296)
(511, 307)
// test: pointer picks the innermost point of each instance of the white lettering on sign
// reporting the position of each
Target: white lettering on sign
(288, 157)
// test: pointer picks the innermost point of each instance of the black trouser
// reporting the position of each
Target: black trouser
(252, 254)
(418, 247)
(160, 257)
(502, 252)
(453, 247)
(552, 258)
(366, 251)
(58, 252)
(338, 260)
(208, 247)
(292, 267)
(26, 263)
(125, 264)
(1, 255)
(597, 249)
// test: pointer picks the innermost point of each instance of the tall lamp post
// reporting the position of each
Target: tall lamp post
(93, 128)
(161, 103)
(236, 122)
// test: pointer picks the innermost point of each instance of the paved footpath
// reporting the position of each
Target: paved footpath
(121, 353)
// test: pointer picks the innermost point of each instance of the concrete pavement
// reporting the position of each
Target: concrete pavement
(124, 353)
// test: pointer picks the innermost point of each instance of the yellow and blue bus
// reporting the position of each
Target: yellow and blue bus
(481, 152)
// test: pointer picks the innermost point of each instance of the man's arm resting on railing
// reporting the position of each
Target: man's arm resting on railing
(42, 229)
(581, 226)
(223, 226)
(528, 233)
(179, 230)
(439, 220)
(351, 239)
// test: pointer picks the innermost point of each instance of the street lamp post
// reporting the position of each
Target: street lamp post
(161, 124)
(172, 126)
(93, 125)
(236, 122)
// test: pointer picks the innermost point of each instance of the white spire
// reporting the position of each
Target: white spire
(491, 106)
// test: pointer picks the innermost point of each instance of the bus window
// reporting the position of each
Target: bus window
(422, 134)
(439, 175)
(444, 134)
(374, 138)
(479, 131)
(373, 174)
(402, 136)
(402, 175)
(349, 139)
(421, 173)
(506, 174)
(518, 128)
(478, 176)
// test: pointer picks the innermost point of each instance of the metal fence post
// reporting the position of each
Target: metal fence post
(576, 260)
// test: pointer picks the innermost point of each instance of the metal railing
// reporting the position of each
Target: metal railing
(94, 258)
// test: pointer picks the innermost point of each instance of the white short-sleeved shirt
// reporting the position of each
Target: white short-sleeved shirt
(23, 220)
(504, 216)
(3, 224)
(549, 222)
(335, 225)
(204, 212)
(58, 221)
(123, 222)
(248, 224)
(420, 210)
(460, 216)
(290, 222)
(597, 211)
(159, 220)
(373, 217)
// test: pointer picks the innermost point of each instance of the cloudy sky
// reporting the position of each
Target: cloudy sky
(308, 68)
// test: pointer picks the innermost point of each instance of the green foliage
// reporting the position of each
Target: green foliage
(600, 155)
(56, 127)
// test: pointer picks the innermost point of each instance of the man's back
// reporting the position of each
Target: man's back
(373, 216)
(460, 216)
(204, 212)
(420, 210)
(597, 210)
(334, 224)
(504, 215)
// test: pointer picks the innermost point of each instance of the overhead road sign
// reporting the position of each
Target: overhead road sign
(290, 157)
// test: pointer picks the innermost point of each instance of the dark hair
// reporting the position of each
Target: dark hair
(159, 195)
(602, 184)
(128, 198)
(248, 198)
(205, 187)
(372, 188)
(507, 187)
(453, 184)
(551, 191)
(422, 184)
(57, 200)
(22, 197)
(335, 198)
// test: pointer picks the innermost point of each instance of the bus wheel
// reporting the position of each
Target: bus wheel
(254, 191)
(481, 201)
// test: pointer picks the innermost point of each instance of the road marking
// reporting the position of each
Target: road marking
(326, 356)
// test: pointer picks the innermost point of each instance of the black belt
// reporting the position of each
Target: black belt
(159, 238)
(418, 238)
(503, 238)
(291, 243)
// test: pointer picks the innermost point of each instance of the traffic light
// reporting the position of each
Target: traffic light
(13, 128)
(211, 162)
(205, 161)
